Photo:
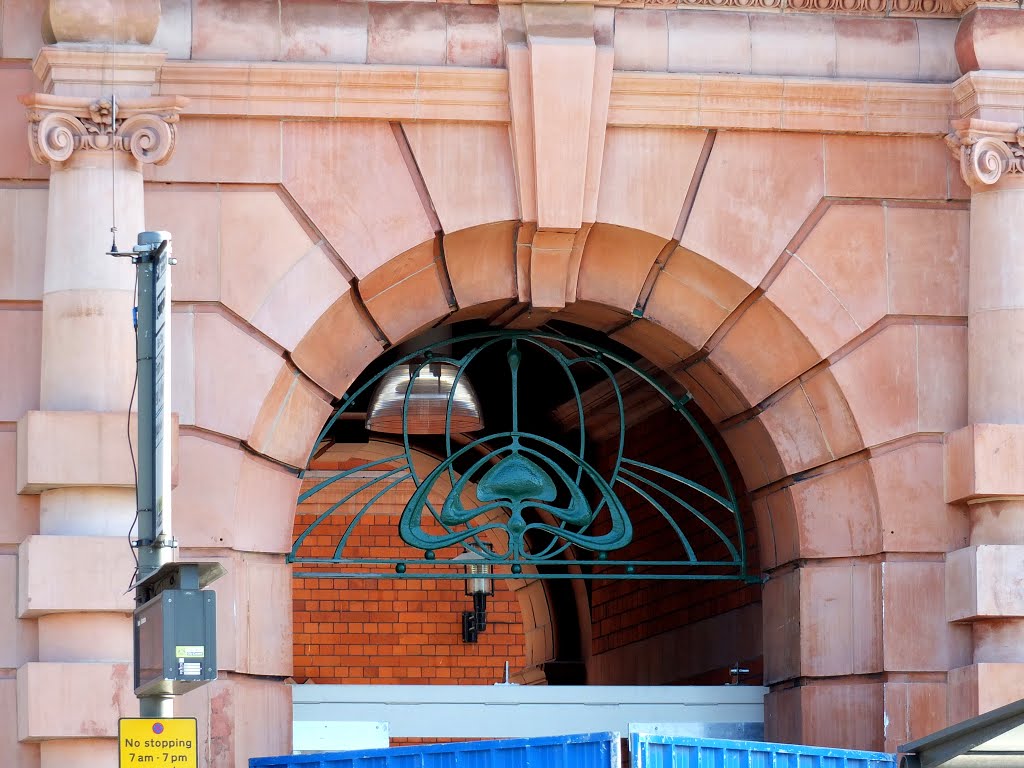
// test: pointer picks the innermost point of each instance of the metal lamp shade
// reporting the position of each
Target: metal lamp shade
(477, 582)
(477, 573)
(428, 402)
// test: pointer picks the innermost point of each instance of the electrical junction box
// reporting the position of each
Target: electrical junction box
(175, 642)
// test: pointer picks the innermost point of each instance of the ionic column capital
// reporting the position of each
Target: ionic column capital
(988, 151)
(60, 125)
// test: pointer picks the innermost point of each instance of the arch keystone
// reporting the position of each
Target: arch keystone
(559, 90)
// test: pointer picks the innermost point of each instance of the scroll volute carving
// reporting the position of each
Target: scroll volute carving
(988, 151)
(60, 125)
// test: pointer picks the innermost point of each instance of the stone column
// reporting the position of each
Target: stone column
(985, 460)
(95, 130)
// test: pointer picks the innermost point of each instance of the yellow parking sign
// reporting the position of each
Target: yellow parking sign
(161, 742)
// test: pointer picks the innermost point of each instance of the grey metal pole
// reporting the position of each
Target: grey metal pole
(155, 543)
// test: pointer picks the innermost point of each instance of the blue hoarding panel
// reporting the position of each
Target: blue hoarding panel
(591, 750)
(650, 751)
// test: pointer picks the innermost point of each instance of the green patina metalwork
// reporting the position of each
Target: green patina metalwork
(524, 500)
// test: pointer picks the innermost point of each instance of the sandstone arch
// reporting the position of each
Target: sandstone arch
(767, 277)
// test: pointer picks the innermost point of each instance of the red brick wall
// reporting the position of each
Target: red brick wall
(409, 631)
(391, 631)
(624, 612)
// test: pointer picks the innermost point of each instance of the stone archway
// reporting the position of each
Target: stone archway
(770, 279)
(808, 286)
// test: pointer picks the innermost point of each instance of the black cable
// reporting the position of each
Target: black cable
(113, 173)
(135, 321)
(131, 402)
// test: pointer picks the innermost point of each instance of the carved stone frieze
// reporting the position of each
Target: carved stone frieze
(889, 8)
(838, 6)
(987, 150)
(60, 125)
(739, 5)
(929, 7)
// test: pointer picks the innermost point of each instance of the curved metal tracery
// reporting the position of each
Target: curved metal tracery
(515, 498)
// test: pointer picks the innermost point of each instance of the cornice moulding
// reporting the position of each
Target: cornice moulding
(637, 98)
(94, 70)
(874, 8)
(990, 96)
(944, 9)
(767, 103)
(339, 91)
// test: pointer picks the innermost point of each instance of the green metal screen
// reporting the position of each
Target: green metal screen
(549, 504)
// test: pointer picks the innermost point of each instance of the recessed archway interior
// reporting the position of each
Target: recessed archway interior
(351, 628)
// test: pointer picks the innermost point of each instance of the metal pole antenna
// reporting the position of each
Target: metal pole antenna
(174, 624)
(153, 493)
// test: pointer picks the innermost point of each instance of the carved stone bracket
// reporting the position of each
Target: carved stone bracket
(60, 125)
(987, 150)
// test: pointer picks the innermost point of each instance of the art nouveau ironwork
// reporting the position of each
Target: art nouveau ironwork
(549, 504)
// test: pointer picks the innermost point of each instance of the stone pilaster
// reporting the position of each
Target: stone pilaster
(984, 460)
(96, 130)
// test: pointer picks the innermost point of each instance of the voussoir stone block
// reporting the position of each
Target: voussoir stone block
(229, 498)
(468, 171)
(254, 619)
(73, 700)
(61, 449)
(290, 419)
(984, 460)
(985, 581)
(823, 621)
(74, 573)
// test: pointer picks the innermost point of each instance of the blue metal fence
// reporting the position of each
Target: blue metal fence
(651, 751)
(591, 750)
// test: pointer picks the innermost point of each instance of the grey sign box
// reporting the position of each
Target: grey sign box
(175, 642)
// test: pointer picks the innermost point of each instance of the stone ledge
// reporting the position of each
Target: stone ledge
(982, 582)
(61, 449)
(997, 96)
(782, 103)
(269, 89)
(984, 460)
(73, 700)
(59, 574)
(638, 99)
(91, 70)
